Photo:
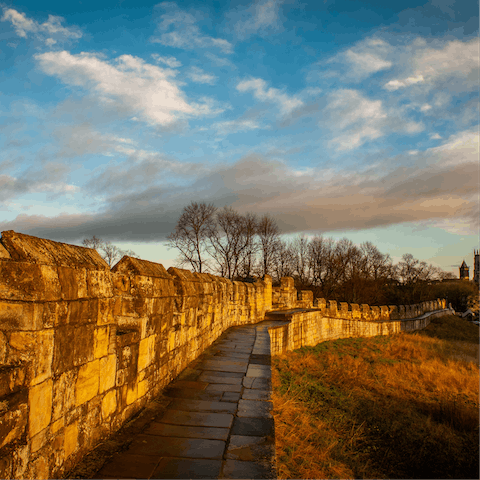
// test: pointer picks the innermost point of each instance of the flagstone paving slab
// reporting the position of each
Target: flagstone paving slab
(200, 419)
(253, 426)
(125, 465)
(187, 468)
(220, 379)
(167, 430)
(217, 420)
(231, 397)
(193, 394)
(249, 448)
(239, 469)
(202, 406)
(176, 447)
(254, 408)
(251, 394)
(223, 387)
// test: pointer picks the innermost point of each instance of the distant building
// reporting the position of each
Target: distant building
(464, 275)
(476, 271)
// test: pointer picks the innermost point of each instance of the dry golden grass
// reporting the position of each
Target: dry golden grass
(404, 406)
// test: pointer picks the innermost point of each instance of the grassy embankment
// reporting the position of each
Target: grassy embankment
(401, 406)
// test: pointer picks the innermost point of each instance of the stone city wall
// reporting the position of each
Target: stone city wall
(83, 348)
(322, 323)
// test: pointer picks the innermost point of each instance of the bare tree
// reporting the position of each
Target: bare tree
(283, 260)
(228, 242)
(269, 237)
(192, 232)
(249, 255)
(377, 264)
(300, 247)
(109, 252)
(93, 242)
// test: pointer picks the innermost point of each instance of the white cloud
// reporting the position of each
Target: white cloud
(286, 103)
(359, 119)
(200, 76)
(455, 62)
(425, 107)
(52, 29)
(368, 57)
(220, 61)
(261, 18)
(186, 34)
(435, 136)
(396, 84)
(235, 126)
(460, 148)
(141, 89)
(171, 62)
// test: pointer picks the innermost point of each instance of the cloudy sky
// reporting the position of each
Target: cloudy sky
(345, 118)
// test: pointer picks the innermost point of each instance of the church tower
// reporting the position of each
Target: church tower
(476, 271)
(464, 275)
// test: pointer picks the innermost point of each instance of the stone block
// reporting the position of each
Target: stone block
(4, 252)
(41, 468)
(143, 388)
(109, 404)
(87, 382)
(40, 406)
(70, 439)
(102, 340)
(332, 308)
(120, 283)
(24, 342)
(39, 440)
(132, 393)
(83, 311)
(384, 313)
(18, 316)
(146, 352)
(108, 372)
(13, 422)
(28, 282)
(12, 379)
(63, 349)
(42, 366)
(84, 344)
(105, 311)
(99, 283)
(73, 283)
(57, 425)
(64, 394)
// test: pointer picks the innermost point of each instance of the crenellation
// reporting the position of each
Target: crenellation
(366, 312)
(356, 313)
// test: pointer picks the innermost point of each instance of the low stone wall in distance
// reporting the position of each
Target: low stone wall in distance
(309, 328)
(83, 347)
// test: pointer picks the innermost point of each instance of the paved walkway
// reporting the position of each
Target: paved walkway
(218, 423)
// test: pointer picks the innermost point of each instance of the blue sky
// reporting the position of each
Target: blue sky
(344, 118)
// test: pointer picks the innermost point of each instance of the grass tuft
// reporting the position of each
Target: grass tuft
(400, 406)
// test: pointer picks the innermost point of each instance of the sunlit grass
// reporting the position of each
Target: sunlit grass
(402, 406)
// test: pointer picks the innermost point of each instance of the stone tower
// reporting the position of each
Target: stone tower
(476, 271)
(464, 275)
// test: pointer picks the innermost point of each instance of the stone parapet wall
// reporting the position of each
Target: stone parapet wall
(83, 347)
(333, 309)
(313, 327)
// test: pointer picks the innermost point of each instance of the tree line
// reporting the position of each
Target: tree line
(241, 246)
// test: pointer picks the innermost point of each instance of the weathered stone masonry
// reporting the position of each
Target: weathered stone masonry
(83, 348)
